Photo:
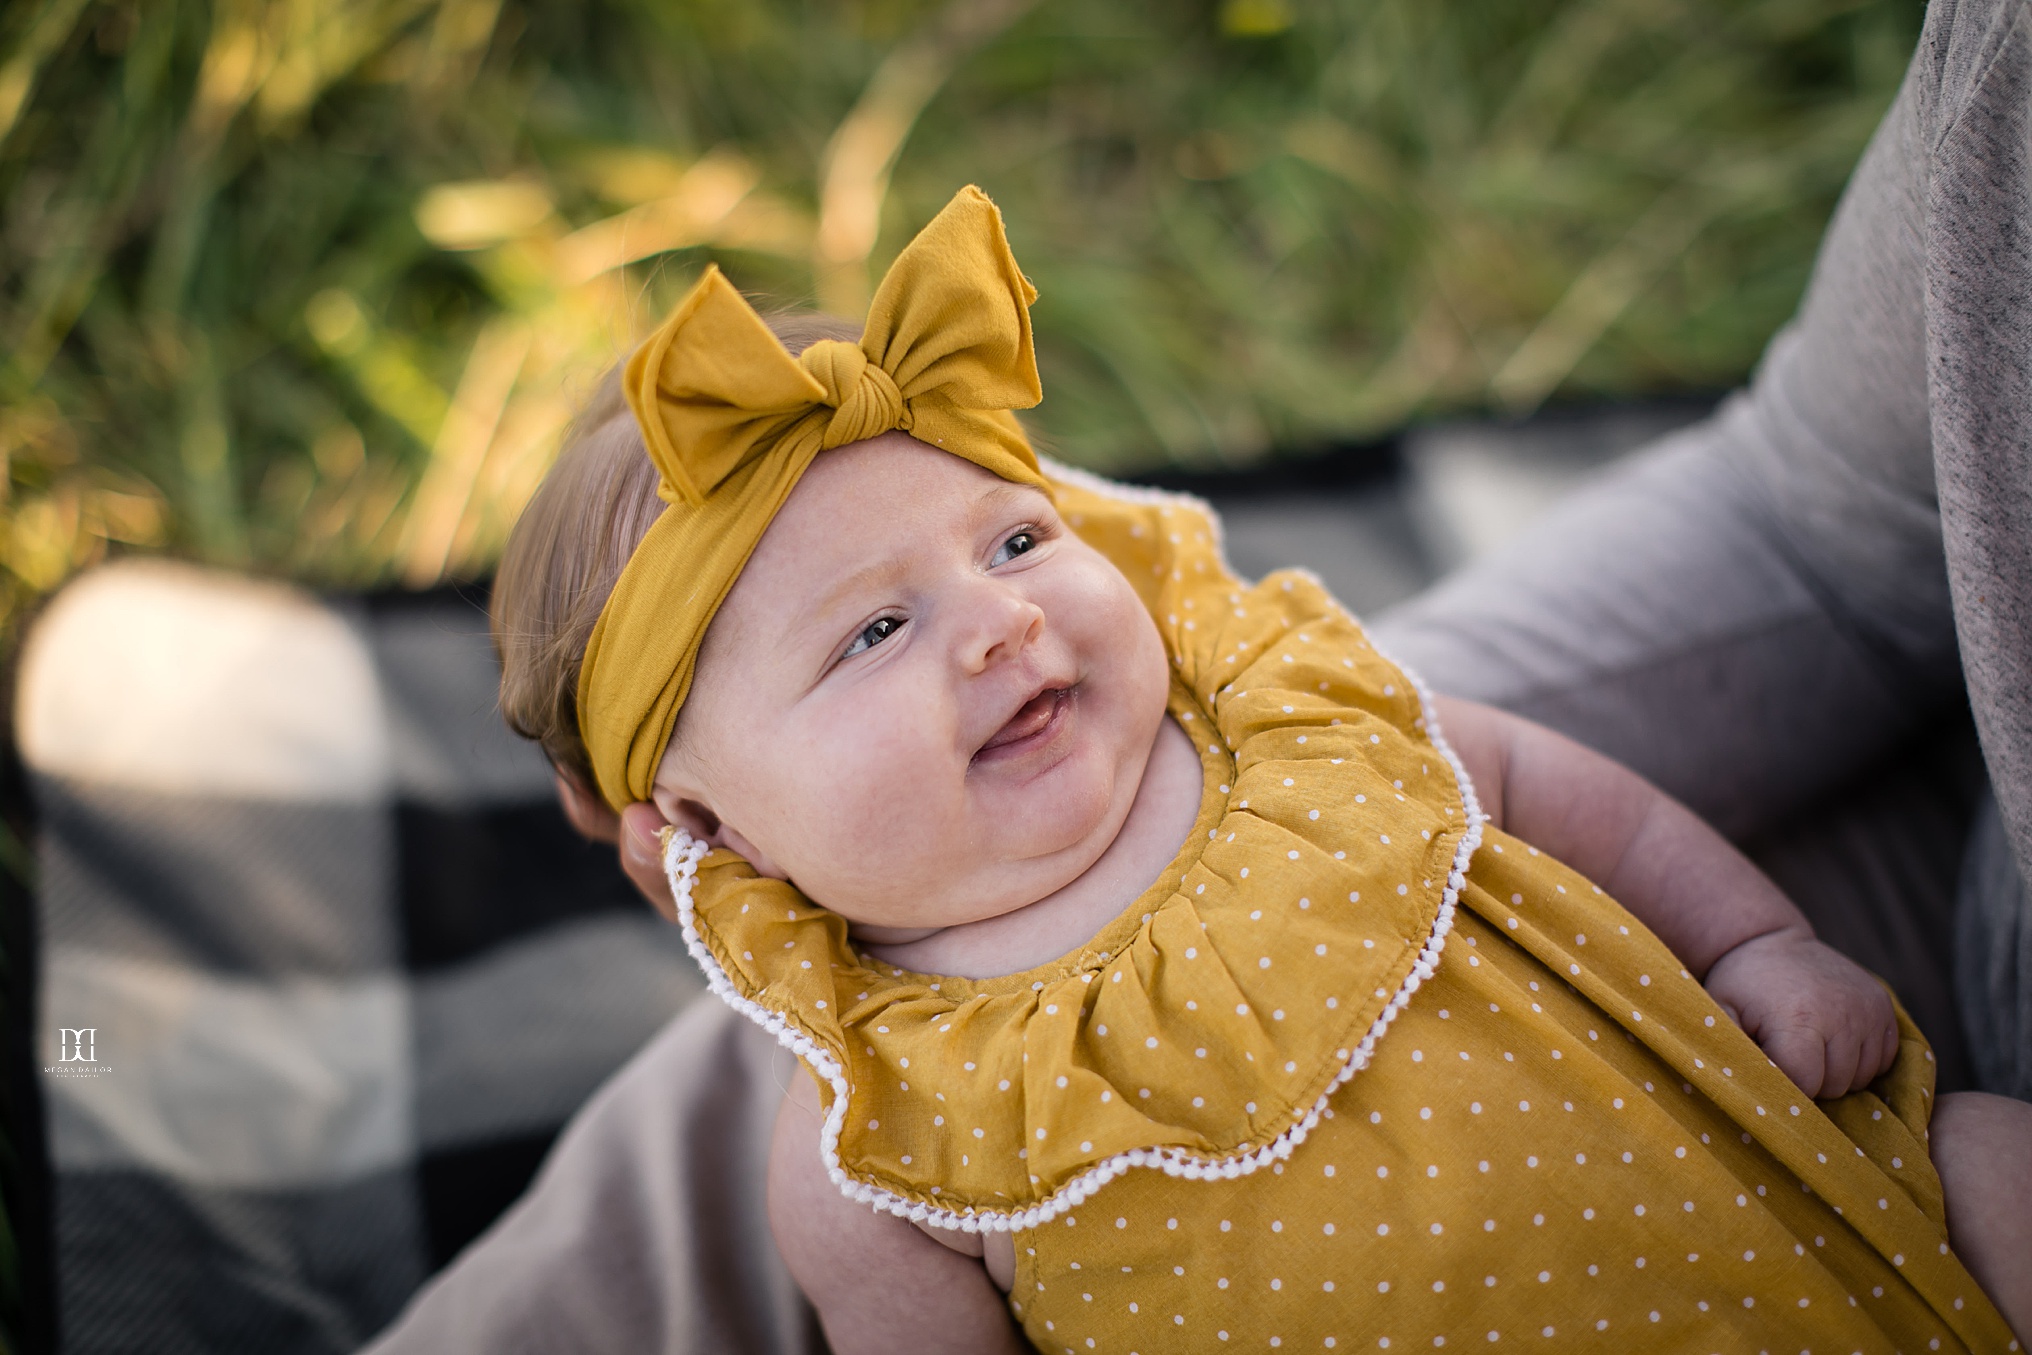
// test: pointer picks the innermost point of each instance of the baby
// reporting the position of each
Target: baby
(1167, 980)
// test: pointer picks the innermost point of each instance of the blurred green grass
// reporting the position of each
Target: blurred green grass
(309, 287)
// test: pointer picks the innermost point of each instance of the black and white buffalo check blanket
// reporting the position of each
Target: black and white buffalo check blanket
(322, 968)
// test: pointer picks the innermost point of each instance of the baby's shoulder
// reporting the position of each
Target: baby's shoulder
(1219, 630)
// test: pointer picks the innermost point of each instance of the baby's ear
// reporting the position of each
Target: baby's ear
(690, 815)
(697, 818)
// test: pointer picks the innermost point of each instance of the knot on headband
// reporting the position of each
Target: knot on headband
(864, 398)
(732, 420)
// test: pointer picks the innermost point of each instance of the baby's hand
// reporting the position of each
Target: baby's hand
(1819, 1016)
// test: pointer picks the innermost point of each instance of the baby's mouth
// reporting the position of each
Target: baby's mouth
(1034, 718)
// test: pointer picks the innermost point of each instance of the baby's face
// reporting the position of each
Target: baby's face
(925, 702)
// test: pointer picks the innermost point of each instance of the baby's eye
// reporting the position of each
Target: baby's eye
(1013, 547)
(876, 632)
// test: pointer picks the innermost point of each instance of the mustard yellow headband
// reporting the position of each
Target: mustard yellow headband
(732, 421)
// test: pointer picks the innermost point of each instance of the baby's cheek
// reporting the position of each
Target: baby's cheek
(879, 861)
(1141, 673)
(888, 797)
(1098, 609)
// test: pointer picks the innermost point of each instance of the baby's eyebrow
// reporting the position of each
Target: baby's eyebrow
(871, 575)
(1006, 495)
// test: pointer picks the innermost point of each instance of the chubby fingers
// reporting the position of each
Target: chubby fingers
(1835, 1058)
(1888, 1039)
(1845, 1051)
(1800, 1051)
(1873, 1045)
(1869, 1038)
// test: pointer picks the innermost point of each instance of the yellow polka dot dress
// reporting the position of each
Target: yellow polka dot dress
(1358, 1072)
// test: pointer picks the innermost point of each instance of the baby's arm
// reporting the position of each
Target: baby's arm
(1820, 1017)
(879, 1283)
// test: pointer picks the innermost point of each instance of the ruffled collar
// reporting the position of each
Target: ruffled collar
(1202, 1031)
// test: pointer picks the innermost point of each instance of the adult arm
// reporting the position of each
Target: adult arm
(1756, 607)
(645, 1232)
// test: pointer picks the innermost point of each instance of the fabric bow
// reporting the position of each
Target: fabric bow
(732, 421)
(945, 354)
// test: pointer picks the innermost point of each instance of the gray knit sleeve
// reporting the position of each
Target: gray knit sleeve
(1755, 607)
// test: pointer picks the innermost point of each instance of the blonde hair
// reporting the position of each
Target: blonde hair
(570, 545)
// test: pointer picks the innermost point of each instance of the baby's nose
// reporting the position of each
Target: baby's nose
(1003, 624)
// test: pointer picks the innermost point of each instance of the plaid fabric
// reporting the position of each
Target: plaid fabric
(346, 972)
(323, 969)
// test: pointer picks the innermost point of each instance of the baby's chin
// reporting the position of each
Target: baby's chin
(868, 934)
(883, 923)
(1075, 811)
(890, 912)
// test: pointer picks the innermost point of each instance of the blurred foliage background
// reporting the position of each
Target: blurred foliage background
(310, 287)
